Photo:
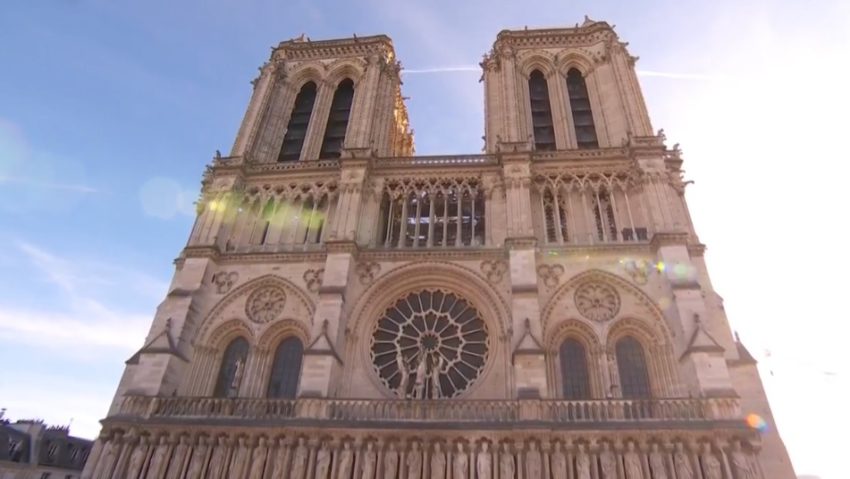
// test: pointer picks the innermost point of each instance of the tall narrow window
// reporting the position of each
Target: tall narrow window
(580, 106)
(541, 112)
(338, 120)
(603, 213)
(631, 364)
(575, 380)
(296, 131)
(232, 368)
(286, 369)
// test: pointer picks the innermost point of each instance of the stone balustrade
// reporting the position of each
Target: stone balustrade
(483, 413)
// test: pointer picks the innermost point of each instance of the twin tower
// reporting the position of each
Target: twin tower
(346, 309)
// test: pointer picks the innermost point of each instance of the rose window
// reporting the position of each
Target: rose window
(429, 345)
(597, 301)
(265, 304)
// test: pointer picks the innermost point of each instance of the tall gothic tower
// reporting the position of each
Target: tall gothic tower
(344, 309)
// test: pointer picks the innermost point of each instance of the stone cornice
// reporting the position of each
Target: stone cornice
(298, 49)
(592, 33)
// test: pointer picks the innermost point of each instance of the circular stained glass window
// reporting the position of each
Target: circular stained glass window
(429, 345)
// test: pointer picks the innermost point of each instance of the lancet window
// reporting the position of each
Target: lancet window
(575, 379)
(632, 368)
(232, 368)
(286, 369)
(338, 120)
(603, 214)
(580, 108)
(541, 112)
(555, 212)
(296, 130)
(438, 213)
(294, 217)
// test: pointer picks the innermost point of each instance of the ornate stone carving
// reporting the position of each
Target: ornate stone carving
(559, 461)
(258, 459)
(494, 270)
(438, 462)
(507, 467)
(299, 461)
(460, 463)
(638, 270)
(631, 459)
(370, 460)
(367, 272)
(430, 344)
(597, 301)
(224, 281)
(711, 465)
(741, 463)
(483, 462)
(414, 462)
(534, 462)
(199, 458)
(656, 463)
(682, 463)
(265, 304)
(313, 278)
(550, 274)
(346, 461)
(323, 461)
(582, 463)
(391, 462)
(608, 461)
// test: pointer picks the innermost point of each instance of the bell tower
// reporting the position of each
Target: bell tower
(317, 100)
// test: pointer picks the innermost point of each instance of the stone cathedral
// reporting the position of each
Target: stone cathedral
(345, 309)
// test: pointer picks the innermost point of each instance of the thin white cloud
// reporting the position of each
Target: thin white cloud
(48, 185)
(460, 68)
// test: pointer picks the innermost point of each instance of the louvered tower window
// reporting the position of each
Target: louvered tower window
(338, 120)
(631, 364)
(296, 131)
(232, 369)
(575, 380)
(580, 106)
(541, 112)
(286, 369)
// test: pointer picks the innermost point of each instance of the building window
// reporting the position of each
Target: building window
(541, 112)
(432, 213)
(338, 120)
(631, 364)
(580, 107)
(555, 216)
(575, 380)
(232, 369)
(603, 214)
(296, 130)
(286, 369)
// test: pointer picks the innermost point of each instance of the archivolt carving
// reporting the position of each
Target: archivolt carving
(572, 328)
(597, 301)
(642, 331)
(530, 60)
(227, 331)
(265, 304)
(550, 311)
(295, 298)
(281, 329)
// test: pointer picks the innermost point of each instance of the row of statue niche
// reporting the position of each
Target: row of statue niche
(441, 462)
(424, 377)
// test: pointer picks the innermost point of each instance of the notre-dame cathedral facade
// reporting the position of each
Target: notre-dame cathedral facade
(346, 309)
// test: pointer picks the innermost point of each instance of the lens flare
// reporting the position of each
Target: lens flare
(660, 266)
(756, 422)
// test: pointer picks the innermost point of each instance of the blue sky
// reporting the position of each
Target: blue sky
(110, 109)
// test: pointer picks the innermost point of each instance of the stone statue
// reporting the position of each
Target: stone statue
(137, 459)
(656, 463)
(323, 462)
(435, 378)
(107, 459)
(258, 459)
(460, 463)
(299, 460)
(608, 462)
(533, 462)
(178, 459)
(711, 465)
(369, 460)
(632, 463)
(218, 460)
(741, 463)
(614, 374)
(507, 467)
(158, 458)
(582, 463)
(682, 463)
(404, 383)
(237, 377)
(483, 462)
(414, 462)
(390, 462)
(279, 457)
(346, 461)
(559, 461)
(421, 374)
(438, 462)
(199, 458)
(240, 459)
